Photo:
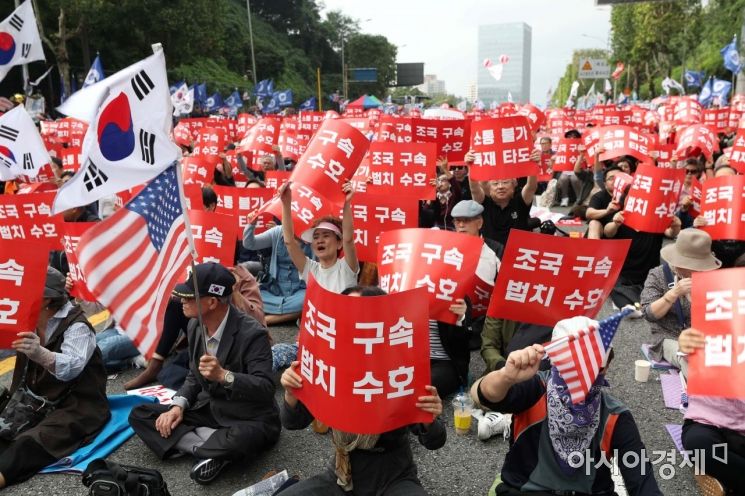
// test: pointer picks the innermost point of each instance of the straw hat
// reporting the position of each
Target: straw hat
(692, 251)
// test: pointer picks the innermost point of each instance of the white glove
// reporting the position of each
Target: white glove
(30, 345)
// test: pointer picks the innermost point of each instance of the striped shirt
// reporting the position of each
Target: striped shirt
(436, 350)
(78, 345)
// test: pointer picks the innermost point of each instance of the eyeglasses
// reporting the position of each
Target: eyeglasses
(691, 172)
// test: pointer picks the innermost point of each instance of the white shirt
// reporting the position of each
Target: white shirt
(213, 342)
(336, 278)
(488, 265)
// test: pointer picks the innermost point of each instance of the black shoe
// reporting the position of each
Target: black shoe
(205, 471)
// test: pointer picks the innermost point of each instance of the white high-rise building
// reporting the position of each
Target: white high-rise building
(514, 41)
(432, 85)
(472, 92)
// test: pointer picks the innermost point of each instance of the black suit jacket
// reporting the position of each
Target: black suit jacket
(244, 350)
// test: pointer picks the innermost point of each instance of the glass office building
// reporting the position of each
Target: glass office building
(513, 40)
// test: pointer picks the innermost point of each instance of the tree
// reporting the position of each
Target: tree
(365, 50)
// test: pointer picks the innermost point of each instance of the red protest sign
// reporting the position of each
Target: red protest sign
(332, 157)
(182, 135)
(544, 279)
(71, 158)
(199, 170)
(653, 198)
(71, 232)
(735, 117)
(231, 157)
(621, 181)
(374, 215)
(402, 170)
(716, 119)
(694, 140)
(616, 117)
(287, 140)
(23, 270)
(687, 111)
(617, 141)
(442, 261)
(737, 152)
(697, 193)
(502, 149)
(451, 136)
(214, 236)
(665, 156)
(394, 130)
(364, 360)
(275, 179)
(244, 123)
(362, 176)
(718, 311)
(307, 205)
(261, 137)
(535, 116)
(27, 217)
(193, 197)
(567, 153)
(723, 207)
(361, 124)
(210, 141)
(240, 202)
(480, 294)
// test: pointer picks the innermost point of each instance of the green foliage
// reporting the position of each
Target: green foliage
(561, 92)
(208, 41)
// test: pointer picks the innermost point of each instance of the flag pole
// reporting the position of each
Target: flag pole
(318, 79)
(193, 250)
(24, 67)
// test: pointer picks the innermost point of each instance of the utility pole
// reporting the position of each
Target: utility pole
(740, 86)
(251, 39)
(24, 67)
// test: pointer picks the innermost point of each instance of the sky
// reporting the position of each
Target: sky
(443, 34)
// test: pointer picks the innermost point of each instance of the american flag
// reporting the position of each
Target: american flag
(132, 260)
(579, 357)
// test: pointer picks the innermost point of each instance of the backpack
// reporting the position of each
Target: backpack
(105, 478)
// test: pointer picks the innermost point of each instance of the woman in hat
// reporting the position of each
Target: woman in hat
(327, 238)
(666, 297)
(58, 364)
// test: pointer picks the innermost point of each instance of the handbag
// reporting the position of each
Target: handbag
(25, 409)
(106, 478)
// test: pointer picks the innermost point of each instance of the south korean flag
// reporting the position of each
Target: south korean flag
(127, 143)
(20, 42)
(22, 151)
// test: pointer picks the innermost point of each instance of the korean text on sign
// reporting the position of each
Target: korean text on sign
(374, 215)
(214, 236)
(364, 360)
(544, 279)
(403, 170)
(723, 207)
(653, 198)
(718, 311)
(444, 262)
(23, 270)
(502, 149)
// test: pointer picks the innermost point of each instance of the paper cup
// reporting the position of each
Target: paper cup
(641, 370)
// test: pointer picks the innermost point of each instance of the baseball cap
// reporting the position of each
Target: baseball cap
(212, 280)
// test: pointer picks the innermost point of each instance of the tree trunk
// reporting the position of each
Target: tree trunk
(86, 49)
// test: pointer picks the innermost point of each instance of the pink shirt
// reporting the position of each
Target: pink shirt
(719, 412)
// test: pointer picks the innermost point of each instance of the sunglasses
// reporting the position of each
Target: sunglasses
(691, 172)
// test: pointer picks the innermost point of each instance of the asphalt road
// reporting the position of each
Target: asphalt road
(464, 466)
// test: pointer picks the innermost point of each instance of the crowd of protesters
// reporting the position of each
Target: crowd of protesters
(225, 371)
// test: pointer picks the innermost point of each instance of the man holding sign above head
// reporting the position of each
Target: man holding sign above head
(225, 411)
(371, 418)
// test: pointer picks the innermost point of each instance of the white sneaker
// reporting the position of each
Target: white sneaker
(491, 424)
(564, 202)
(139, 362)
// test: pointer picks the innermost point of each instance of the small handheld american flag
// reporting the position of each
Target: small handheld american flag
(579, 357)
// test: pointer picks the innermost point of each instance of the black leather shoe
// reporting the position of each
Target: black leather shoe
(207, 470)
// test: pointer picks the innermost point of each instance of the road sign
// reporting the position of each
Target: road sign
(593, 68)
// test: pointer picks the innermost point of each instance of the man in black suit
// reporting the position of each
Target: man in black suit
(225, 410)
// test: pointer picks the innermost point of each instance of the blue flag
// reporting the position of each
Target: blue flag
(693, 79)
(309, 104)
(213, 103)
(271, 107)
(731, 56)
(706, 94)
(200, 93)
(234, 100)
(720, 89)
(283, 98)
(264, 87)
(175, 86)
(95, 74)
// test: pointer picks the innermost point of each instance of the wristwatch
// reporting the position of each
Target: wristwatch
(229, 379)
